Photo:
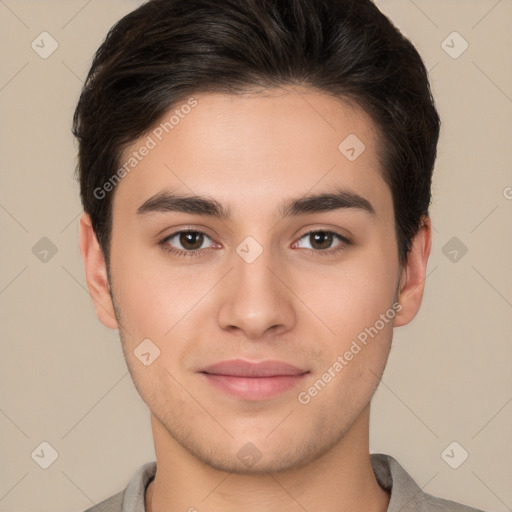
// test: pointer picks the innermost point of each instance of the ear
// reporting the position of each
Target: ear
(96, 273)
(412, 281)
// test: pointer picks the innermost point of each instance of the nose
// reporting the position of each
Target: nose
(256, 299)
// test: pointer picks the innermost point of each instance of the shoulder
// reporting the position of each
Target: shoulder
(428, 503)
(406, 494)
(130, 499)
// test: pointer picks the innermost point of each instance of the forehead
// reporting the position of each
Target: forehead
(250, 150)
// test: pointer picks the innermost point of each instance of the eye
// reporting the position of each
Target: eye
(192, 242)
(322, 240)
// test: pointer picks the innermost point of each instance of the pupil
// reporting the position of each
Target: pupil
(323, 235)
(187, 238)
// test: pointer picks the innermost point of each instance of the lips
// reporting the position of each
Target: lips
(253, 380)
(241, 368)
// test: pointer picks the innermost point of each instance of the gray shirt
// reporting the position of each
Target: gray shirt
(406, 495)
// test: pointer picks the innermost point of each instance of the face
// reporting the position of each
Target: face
(268, 325)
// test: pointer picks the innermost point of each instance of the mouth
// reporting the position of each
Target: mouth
(248, 380)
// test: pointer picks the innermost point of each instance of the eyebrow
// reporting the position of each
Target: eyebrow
(337, 198)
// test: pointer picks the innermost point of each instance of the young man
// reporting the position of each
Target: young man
(255, 176)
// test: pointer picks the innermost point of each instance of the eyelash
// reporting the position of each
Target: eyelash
(196, 252)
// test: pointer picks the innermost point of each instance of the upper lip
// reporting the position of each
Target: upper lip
(241, 368)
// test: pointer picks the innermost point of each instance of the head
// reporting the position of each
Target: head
(256, 106)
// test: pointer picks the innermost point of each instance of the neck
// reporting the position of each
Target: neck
(341, 479)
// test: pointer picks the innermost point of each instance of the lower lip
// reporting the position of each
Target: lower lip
(254, 388)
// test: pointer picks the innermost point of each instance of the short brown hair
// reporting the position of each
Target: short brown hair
(167, 50)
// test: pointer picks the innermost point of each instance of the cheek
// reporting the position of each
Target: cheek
(355, 295)
(153, 295)
(357, 306)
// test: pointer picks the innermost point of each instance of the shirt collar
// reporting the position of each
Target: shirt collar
(389, 474)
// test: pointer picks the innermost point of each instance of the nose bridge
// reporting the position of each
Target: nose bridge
(252, 266)
(255, 299)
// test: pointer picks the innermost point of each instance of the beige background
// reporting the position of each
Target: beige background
(64, 379)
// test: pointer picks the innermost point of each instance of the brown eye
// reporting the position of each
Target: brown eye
(191, 240)
(185, 243)
(323, 240)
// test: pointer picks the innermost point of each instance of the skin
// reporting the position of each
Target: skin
(293, 303)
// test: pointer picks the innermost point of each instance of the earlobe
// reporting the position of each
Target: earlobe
(412, 281)
(96, 273)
